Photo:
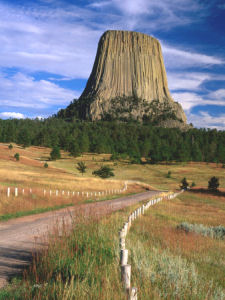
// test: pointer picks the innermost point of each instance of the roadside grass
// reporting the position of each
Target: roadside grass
(82, 264)
(19, 214)
(167, 263)
(176, 264)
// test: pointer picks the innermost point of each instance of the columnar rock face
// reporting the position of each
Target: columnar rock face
(128, 65)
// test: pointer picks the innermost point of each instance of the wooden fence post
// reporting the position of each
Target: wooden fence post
(122, 243)
(123, 257)
(126, 275)
(133, 294)
(8, 192)
(16, 192)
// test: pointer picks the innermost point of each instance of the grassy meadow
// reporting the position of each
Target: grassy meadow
(29, 173)
(167, 262)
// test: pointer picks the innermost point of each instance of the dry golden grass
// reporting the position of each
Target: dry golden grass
(155, 175)
(29, 172)
(158, 230)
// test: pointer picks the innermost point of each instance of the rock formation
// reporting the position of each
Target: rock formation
(128, 80)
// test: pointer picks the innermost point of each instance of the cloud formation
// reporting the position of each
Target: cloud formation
(13, 115)
(21, 90)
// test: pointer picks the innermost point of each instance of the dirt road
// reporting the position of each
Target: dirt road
(20, 237)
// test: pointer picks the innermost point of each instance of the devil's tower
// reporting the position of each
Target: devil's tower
(128, 80)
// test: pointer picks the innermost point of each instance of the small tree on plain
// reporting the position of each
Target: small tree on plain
(184, 184)
(81, 167)
(55, 153)
(17, 156)
(213, 184)
(168, 175)
(46, 165)
(10, 147)
(104, 172)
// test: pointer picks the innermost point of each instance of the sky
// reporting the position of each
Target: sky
(48, 49)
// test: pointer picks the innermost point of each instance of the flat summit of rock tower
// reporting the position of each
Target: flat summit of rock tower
(128, 81)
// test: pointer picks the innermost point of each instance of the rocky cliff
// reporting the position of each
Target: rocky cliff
(128, 80)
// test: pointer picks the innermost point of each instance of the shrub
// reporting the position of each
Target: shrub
(81, 167)
(10, 147)
(55, 153)
(193, 184)
(17, 156)
(168, 175)
(104, 172)
(184, 184)
(213, 184)
(217, 232)
(45, 165)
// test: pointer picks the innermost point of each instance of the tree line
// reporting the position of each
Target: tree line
(121, 139)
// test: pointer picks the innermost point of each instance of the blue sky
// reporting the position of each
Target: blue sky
(48, 49)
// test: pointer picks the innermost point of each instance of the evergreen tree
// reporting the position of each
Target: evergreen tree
(213, 184)
(84, 142)
(24, 137)
(184, 184)
(74, 148)
(17, 156)
(81, 167)
(55, 153)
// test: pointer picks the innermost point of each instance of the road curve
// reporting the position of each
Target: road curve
(22, 236)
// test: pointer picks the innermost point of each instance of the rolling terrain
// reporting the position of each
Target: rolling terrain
(167, 262)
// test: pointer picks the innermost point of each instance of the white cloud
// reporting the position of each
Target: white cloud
(24, 91)
(179, 58)
(219, 94)
(99, 4)
(186, 80)
(63, 39)
(204, 119)
(189, 100)
(13, 115)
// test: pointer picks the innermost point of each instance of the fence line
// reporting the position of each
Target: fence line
(124, 253)
(15, 191)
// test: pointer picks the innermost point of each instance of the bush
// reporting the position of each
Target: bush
(213, 184)
(81, 167)
(168, 175)
(46, 165)
(217, 232)
(115, 156)
(55, 153)
(184, 184)
(10, 147)
(193, 184)
(104, 172)
(17, 156)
